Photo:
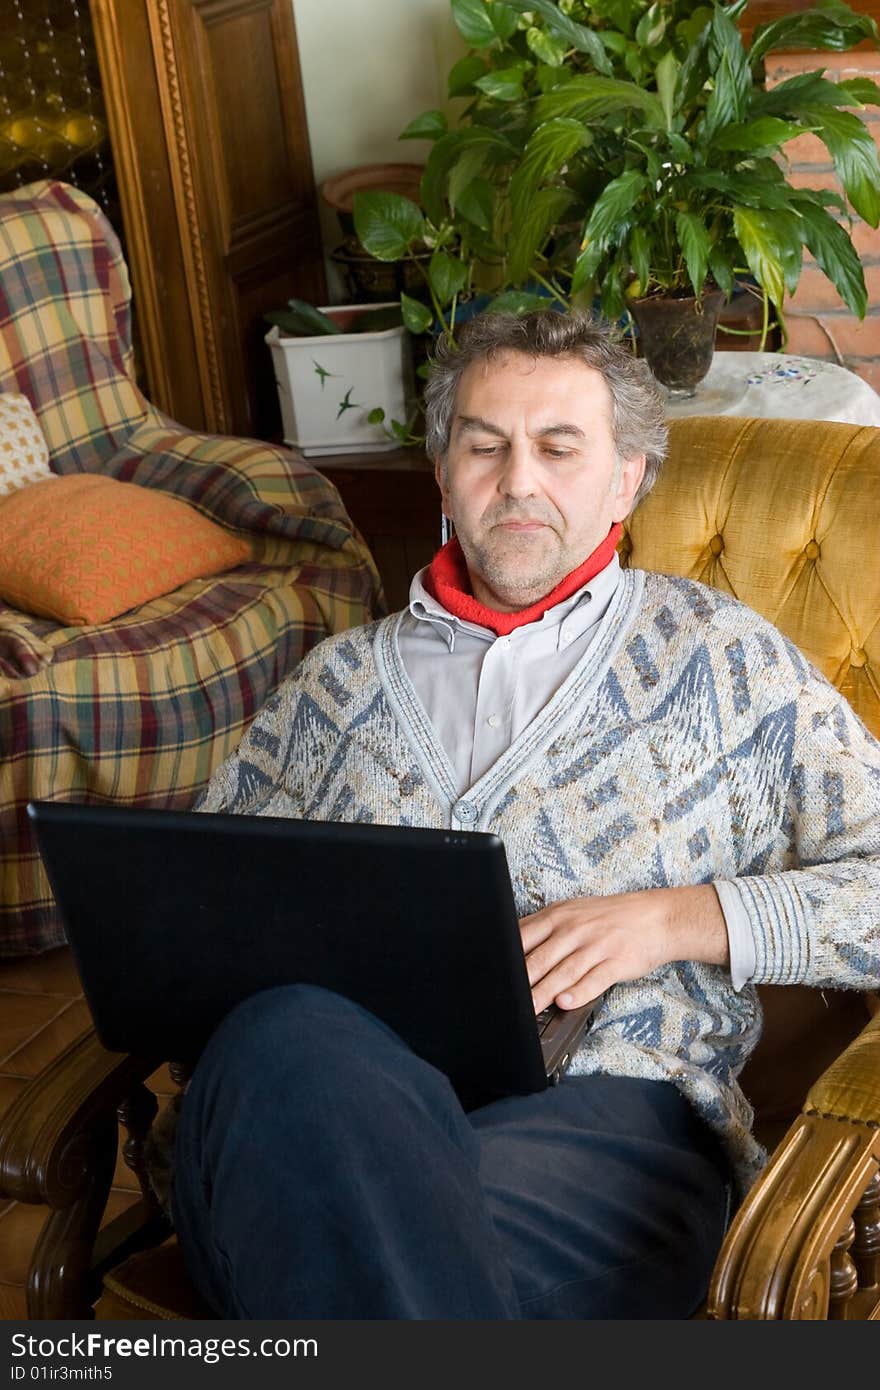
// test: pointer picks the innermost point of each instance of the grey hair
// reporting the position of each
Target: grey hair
(638, 423)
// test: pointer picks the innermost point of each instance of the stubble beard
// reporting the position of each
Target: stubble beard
(511, 569)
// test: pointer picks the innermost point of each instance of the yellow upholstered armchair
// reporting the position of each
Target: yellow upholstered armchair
(786, 515)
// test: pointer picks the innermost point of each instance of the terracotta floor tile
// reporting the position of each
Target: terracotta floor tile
(44, 1046)
(22, 1016)
(50, 973)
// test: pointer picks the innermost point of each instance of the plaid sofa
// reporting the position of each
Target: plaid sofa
(140, 710)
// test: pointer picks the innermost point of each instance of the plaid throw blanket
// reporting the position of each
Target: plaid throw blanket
(140, 710)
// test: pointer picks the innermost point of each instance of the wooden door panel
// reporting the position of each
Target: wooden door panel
(217, 193)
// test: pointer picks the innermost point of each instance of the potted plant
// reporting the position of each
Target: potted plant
(627, 152)
(341, 372)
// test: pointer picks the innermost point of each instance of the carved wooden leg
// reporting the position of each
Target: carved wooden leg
(136, 1113)
(866, 1247)
(844, 1279)
(59, 1279)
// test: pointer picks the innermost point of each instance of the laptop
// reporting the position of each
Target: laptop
(175, 917)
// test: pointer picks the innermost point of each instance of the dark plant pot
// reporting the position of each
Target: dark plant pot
(677, 337)
(369, 281)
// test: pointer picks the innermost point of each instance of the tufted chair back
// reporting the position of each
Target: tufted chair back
(784, 515)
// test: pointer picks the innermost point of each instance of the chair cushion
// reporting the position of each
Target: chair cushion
(24, 454)
(152, 1284)
(85, 548)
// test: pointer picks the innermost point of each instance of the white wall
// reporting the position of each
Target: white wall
(369, 67)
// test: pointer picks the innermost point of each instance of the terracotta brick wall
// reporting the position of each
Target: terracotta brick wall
(819, 323)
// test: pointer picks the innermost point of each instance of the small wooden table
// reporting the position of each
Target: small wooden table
(394, 502)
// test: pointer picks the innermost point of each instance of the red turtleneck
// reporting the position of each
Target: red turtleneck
(448, 582)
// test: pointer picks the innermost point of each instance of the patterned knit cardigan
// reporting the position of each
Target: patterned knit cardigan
(692, 743)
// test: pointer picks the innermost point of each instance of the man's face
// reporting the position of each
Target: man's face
(532, 480)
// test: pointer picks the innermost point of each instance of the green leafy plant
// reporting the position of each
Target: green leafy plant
(630, 148)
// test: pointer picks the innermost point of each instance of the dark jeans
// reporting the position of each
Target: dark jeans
(325, 1171)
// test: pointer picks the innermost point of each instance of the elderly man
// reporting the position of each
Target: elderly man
(687, 809)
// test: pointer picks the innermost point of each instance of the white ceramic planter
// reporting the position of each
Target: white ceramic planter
(328, 385)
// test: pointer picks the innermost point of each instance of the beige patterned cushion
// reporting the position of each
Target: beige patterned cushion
(24, 457)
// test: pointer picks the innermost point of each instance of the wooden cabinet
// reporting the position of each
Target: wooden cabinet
(208, 128)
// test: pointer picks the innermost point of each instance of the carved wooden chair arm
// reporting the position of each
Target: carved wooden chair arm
(806, 1240)
(47, 1138)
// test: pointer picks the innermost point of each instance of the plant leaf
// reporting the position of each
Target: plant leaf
(576, 36)
(548, 150)
(800, 96)
(586, 265)
(504, 84)
(765, 133)
(856, 161)
(530, 232)
(728, 99)
(518, 302)
(834, 27)
(721, 263)
(835, 255)
(476, 203)
(772, 245)
(640, 254)
(666, 75)
(464, 74)
(387, 224)
(651, 27)
(443, 156)
(430, 125)
(302, 320)
(587, 98)
(694, 241)
(417, 317)
(466, 168)
(474, 22)
(547, 48)
(504, 19)
(448, 276)
(694, 71)
(861, 90)
(752, 192)
(614, 206)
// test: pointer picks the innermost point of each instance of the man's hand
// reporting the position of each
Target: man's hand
(577, 949)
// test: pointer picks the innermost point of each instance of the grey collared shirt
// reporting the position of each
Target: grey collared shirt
(480, 691)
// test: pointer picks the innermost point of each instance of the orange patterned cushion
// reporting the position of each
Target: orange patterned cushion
(84, 548)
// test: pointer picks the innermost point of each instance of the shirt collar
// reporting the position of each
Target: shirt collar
(581, 609)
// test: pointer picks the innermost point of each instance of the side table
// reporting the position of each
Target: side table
(778, 384)
(394, 502)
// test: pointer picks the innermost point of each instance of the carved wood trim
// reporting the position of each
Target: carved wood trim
(776, 1258)
(43, 1158)
(176, 132)
(844, 1281)
(136, 1114)
(217, 11)
(59, 1283)
(866, 1247)
(131, 193)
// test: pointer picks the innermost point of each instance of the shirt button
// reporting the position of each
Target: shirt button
(493, 721)
(466, 812)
